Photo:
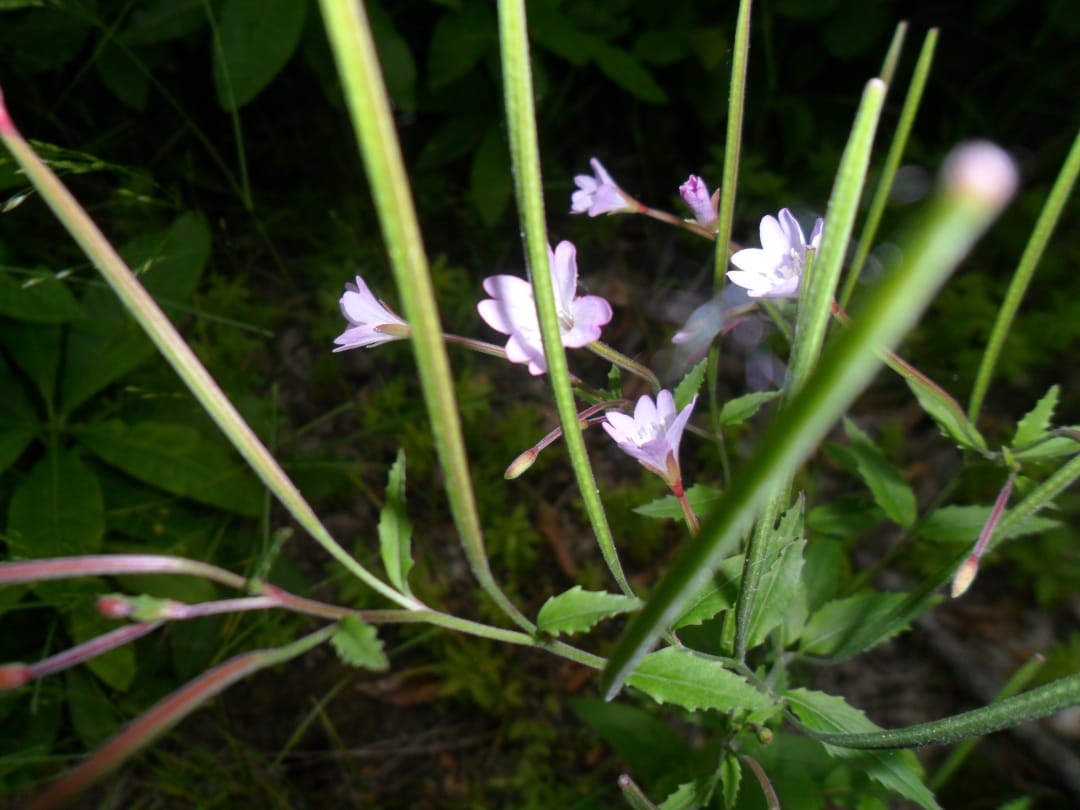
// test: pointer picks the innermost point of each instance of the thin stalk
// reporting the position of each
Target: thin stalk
(619, 359)
(15, 572)
(892, 56)
(1040, 236)
(179, 355)
(892, 163)
(528, 186)
(369, 107)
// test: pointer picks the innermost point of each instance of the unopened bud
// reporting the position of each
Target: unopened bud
(964, 576)
(12, 676)
(114, 607)
(522, 463)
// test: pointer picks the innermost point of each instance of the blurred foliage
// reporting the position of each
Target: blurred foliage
(215, 131)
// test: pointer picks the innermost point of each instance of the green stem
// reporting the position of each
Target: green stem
(1040, 236)
(1041, 702)
(622, 361)
(528, 186)
(369, 107)
(167, 339)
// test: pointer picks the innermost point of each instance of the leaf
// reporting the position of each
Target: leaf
(255, 40)
(1036, 422)
(36, 350)
(578, 610)
(1051, 448)
(57, 509)
(395, 531)
(490, 178)
(780, 589)
(37, 296)
(846, 626)
(107, 344)
(91, 711)
(398, 66)
(179, 459)
(891, 492)
(358, 645)
(690, 384)
(692, 795)
(624, 69)
(899, 771)
(962, 524)
(944, 410)
(826, 567)
(700, 497)
(730, 779)
(717, 596)
(679, 676)
(738, 410)
(649, 746)
(76, 598)
(458, 136)
(458, 43)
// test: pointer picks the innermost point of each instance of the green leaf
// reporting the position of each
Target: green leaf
(107, 344)
(846, 626)
(490, 179)
(120, 71)
(718, 595)
(648, 745)
(395, 531)
(692, 795)
(57, 509)
(92, 713)
(626, 71)
(179, 459)
(578, 610)
(1036, 423)
(944, 410)
(255, 40)
(358, 645)
(37, 296)
(690, 384)
(83, 622)
(458, 136)
(962, 524)
(1051, 448)
(738, 410)
(890, 490)
(36, 350)
(825, 569)
(780, 593)
(898, 771)
(730, 779)
(679, 676)
(398, 66)
(458, 43)
(700, 497)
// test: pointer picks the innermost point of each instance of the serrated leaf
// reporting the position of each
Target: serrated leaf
(700, 497)
(679, 676)
(692, 795)
(780, 589)
(845, 626)
(255, 40)
(1036, 422)
(962, 524)
(718, 595)
(898, 771)
(395, 531)
(891, 492)
(730, 779)
(179, 459)
(947, 414)
(358, 645)
(1052, 448)
(738, 410)
(690, 384)
(578, 610)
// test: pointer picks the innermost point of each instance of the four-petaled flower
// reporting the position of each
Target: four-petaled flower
(511, 310)
(775, 269)
(371, 322)
(598, 194)
(652, 434)
(697, 198)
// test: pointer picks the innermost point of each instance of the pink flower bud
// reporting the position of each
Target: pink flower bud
(12, 676)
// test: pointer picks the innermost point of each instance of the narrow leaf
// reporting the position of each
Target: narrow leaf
(681, 677)
(1037, 421)
(738, 410)
(395, 531)
(578, 610)
(690, 384)
(944, 410)
(891, 492)
(780, 590)
(358, 645)
(899, 771)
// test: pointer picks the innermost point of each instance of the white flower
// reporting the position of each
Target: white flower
(598, 193)
(775, 269)
(511, 310)
(371, 322)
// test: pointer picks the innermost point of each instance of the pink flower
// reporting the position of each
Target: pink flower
(598, 194)
(652, 434)
(511, 310)
(696, 196)
(775, 269)
(371, 322)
